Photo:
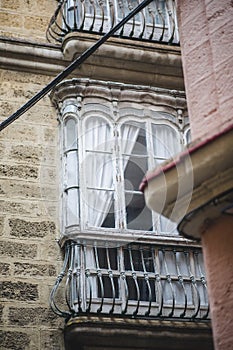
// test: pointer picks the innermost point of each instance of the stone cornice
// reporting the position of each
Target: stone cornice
(122, 60)
(110, 91)
(31, 57)
(129, 61)
(137, 333)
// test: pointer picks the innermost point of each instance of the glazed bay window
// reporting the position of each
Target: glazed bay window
(120, 258)
(108, 144)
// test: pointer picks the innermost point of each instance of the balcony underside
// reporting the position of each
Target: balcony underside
(118, 333)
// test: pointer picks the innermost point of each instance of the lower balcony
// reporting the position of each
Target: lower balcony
(137, 296)
(135, 281)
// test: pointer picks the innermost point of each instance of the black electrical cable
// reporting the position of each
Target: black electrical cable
(78, 61)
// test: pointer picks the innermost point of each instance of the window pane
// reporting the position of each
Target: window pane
(99, 170)
(102, 258)
(70, 134)
(138, 216)
(165, 141)
(99, 173)
(133, 138)
(188, 136)
(135, 170)
(98, 136)
(72, 207)
(99, 206)
(71, 169)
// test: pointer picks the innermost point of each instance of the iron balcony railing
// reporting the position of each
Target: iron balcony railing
(145, 281)
(156, 22)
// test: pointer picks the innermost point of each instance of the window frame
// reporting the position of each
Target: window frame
(117, 102)
(119, 189)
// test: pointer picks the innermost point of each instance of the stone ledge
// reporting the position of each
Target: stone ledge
(128, 61)
(122, 333)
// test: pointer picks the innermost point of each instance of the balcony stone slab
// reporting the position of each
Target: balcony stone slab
(126, 334)
(128, 61)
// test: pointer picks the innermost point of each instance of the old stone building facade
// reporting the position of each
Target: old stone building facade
(108, 286)
(30, 257)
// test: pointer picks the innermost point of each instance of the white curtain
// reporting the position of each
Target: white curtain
(165, 141)
(166, 144)
(99, 165)
(129, 135)
(98, 169)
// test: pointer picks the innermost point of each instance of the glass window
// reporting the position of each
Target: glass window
(98, 171)
(102, 175)
(71, 173)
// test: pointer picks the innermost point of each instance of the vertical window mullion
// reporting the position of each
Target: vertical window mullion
(151, 165)
(120, 198)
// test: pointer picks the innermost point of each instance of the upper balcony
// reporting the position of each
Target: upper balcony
(157, 22)
(145, 51)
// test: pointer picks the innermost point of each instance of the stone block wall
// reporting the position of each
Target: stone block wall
(25, 19)
(30, 257)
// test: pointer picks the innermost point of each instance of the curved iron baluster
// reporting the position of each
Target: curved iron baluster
(158, 284)
(71, 289)
(110, 274)
(57, 26)
(59, 279)
(181, 282)
(169, 281)
(53, 21)
(152, 15)
(77, 274)
(131, 34)
(63, 15)
(92, 2)
(83, 16)
(121, 6)
(160, 12)
(203, 281)
(193, 285)
(88, 281)
(68, 279)
(143, 24)
(123, 277)
(75, 14)
(101, 5)
(134, 275)
(49, 33)
(112, 17)
(171, 20)
(146, 277)
(99, 275)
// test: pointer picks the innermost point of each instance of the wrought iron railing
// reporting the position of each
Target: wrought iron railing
(157, 22)
(133, 281)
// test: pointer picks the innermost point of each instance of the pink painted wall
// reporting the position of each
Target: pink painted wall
(206, 34)
(217, 243)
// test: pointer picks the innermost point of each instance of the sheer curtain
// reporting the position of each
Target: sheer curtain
(129, 134)
(165, 141)
(98, 170)
(166, 144)
(99, 144)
